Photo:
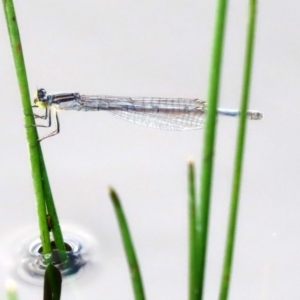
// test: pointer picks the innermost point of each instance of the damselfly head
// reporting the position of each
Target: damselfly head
(40, 98)
(42, 94)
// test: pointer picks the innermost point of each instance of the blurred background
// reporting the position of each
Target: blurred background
(155, 49)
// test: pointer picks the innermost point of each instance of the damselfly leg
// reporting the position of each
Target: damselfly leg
(44, 117)
(47, 116)
(54, 132)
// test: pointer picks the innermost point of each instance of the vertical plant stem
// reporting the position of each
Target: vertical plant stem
(209, 141)
(193, 282)
(57, 234)
(238, 164)
(11, 290)
(31, 133)
(52, 283)
(42, 189)
(132, 261)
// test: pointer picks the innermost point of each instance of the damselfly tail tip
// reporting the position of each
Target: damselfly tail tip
(256, 115)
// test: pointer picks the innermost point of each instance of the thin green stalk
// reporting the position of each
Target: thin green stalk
(56, 230)
(193, 282)
(52, 283)
(42, 189)
(11, 295)
(11, 290)
(209, 142)
(238, 164)
(31, 133)
(132, 261)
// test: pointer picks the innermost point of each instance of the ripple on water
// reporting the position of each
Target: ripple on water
(29, 265)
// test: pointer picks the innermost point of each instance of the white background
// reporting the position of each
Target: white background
(160, 49)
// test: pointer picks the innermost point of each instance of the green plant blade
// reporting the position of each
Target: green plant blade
(31, 133)
(193, 282)
(56, 230)
(132, 261)
(209, 142)
(11, 290)
(52, 283)
(238, 164)
(41, 184)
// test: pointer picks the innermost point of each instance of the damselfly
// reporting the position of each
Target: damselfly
(161, 113)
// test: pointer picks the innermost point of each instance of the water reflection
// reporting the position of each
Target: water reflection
(28, 264)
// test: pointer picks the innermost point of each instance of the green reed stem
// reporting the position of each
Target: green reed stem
(209, 142)
(136, 277)
(11, 290)
(38, 169)
(240, 144)
(52, 283)
(193, 282)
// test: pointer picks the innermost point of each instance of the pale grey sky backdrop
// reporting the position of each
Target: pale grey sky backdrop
(156, 48)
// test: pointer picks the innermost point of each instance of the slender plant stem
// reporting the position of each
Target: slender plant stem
(11, 290)
(132, 261)
(11, 295)
(193, 282)
(238, 164)
(31, 133)
(52, 283)
(41, 184)
(209, 142)
(57, 234)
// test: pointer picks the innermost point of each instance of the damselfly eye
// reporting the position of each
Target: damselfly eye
(41, 94)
